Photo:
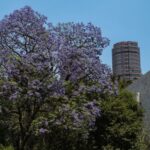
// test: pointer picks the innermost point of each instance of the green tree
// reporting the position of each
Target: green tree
(120, 124)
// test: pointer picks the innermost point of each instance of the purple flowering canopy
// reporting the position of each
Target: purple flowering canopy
(50, 75)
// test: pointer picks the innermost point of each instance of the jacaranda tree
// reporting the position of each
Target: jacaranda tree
(51, 80)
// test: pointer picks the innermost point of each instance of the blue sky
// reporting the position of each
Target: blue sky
(120, 20)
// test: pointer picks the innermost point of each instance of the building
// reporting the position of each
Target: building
(126, 60)
(142, 86)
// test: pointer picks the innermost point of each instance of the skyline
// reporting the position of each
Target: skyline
(118, 20)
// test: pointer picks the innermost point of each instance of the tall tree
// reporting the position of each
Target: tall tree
(51, 77)
(120, 124)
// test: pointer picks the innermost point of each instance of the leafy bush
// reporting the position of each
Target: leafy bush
(6, 148)
(120, 124)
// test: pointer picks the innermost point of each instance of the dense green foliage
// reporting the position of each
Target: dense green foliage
(120, 124)
(118, 128)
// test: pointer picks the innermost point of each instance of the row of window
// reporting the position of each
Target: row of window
(126, 56)
(125, 51)
(128, 64)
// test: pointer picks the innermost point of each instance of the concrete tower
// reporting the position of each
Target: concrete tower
(126, 60)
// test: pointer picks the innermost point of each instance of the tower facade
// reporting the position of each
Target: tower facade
(126, 60)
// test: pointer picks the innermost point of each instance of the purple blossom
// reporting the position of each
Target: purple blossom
(53, 69)
(42, 130)
(93, 108)
(14, 96)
